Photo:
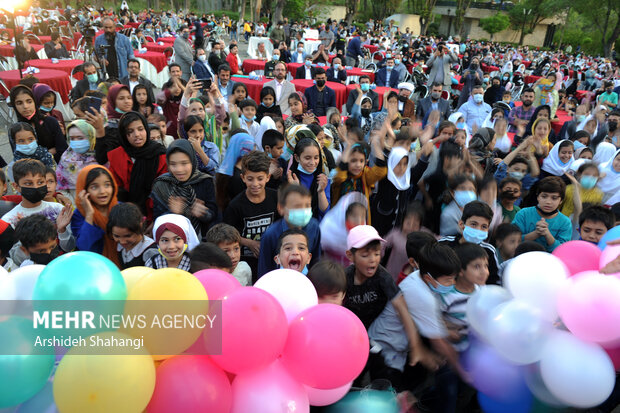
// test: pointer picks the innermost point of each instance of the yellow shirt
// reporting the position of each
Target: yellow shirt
(592, 196)
(246, 27)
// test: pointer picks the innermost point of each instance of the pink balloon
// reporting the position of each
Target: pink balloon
(610, 253)
(268, 390)
(190, 384)
(588, 306)
(578, 256)
(293, 290)
(254, 330)
(217, 283)
(327, 347)
(320, 397)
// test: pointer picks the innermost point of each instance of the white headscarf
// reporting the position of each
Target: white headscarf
(182, 222)
(266, 123)
(604, 152)
(585, 121)
(610, 183)
(552, 162)
(454, 118)
(333, 224)
(396, 155)
(507, 68)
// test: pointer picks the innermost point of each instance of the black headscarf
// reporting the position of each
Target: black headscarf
(146, 160)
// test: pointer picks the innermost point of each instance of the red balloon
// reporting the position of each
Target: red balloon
(190, 384)
(217, 283)
(614, 355)
(327, 347)
(579, 256)
(254, 329)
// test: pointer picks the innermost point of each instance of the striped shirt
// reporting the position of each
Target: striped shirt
(453, 307)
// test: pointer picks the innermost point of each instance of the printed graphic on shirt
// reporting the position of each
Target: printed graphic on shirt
(254, 227)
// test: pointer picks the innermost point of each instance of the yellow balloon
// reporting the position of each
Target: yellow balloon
(104, 383)
(133, 275)
(174, 304)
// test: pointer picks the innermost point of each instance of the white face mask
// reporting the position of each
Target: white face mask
(202, 57)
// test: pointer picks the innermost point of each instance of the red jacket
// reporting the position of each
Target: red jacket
(121, 166)
(233, 63)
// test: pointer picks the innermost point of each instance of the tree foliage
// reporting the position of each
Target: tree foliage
(527, 14)
(495, 24)
(424, 8)
(604, 18)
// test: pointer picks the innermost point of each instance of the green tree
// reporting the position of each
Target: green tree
(495, 24)
(605, 17)
(461, 9)
(526, 15)
(424, 8)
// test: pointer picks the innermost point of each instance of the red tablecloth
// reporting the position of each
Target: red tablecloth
(371, 47)
(9, 51)
(167, 40)
(292, 68)
(254, 86)
(341, 90)
(154, 47)
(526, 63)
(530, 79)
(562, 117)
(249, 65)
(68, 43)
(157, 59)
(65, 65)
(487, 68)
(133, 25)
(379, 89)
(56, 79)
(358, 71)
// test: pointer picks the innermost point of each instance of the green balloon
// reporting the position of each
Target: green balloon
(24, 369)
(80, 275)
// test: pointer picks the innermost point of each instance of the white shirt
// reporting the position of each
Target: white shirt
(132, 84)
(278, 89)
(300, 57)
(308, 73)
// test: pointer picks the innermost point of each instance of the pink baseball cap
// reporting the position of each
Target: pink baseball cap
(362, 235)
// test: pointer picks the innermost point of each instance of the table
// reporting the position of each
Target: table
(254, 86)
(341, 90)
(488, 68)
(56, 79)
(354, 74)
(529, 79)
(562, 117)
(66, 66)
(8, 52)
(154, 66)
(371, 48)
(167, 40)
(154, 47)
(381, 90)
(526, 63)
(133, 25)
(251, 65)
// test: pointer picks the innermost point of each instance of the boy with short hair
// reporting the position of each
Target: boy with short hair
(509, 193)
(594, 222)
(248, 113)
(7, 240)
(37, 236)
(521, 164)
(415, 242)
(439, 267)
(473, 274)
(207, 255)
(228, 239)
(29, 175)
(506, 239)
(160, 120)
(273, 146)
(295, 207)
(252, 211)
(329, 280)
(544, 223)
(293, 251)
(474, 225)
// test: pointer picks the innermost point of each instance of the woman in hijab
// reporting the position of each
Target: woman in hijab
(48, 131)
(266, 123)
(119, 102)
(542, 111)
(299, 111)
(46, 102)
(96, 196)
(389, 205)
(604, 153)
(81, 153)
(609, 183)
(228, 183)
(184, 190)
(471, 76)
(559, 160)
(137, 162)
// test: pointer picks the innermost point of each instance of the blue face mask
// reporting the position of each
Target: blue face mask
(28, 149)
(308, 63)
(119, 111)
(460, 125)
(336, 66)
(45, 109)
(301, 169)
(516, 175)
(475, 236)
(81, 146)
(396, 61)
(578, 145)
(245, 118)
(92, 78)
(478, 98)
(299, 217)
(266, 106)
(463, 198)
(304, 271)
(365, 87)
(440, 289)
(588, 182)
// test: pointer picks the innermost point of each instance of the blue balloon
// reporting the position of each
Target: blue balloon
(366, 401)
(42, 402)
(24, 368)
(612, 234)
(521, 405)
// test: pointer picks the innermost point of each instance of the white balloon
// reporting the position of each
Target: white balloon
(291, 289)
(536, 278)
(482, 303)
(518, 332)
(24, 279)
(535, 383)
(577, 373)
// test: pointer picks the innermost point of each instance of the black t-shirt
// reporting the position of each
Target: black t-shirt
(235, 185)
(368, 300)
(250, 219)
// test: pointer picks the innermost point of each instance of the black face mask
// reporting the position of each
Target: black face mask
(44, 259)
(402, 98)
(546, 214)
(474, 66)
(509, 195)
(320, 82)
(34, 195)
(612, 125)
(365, 112)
